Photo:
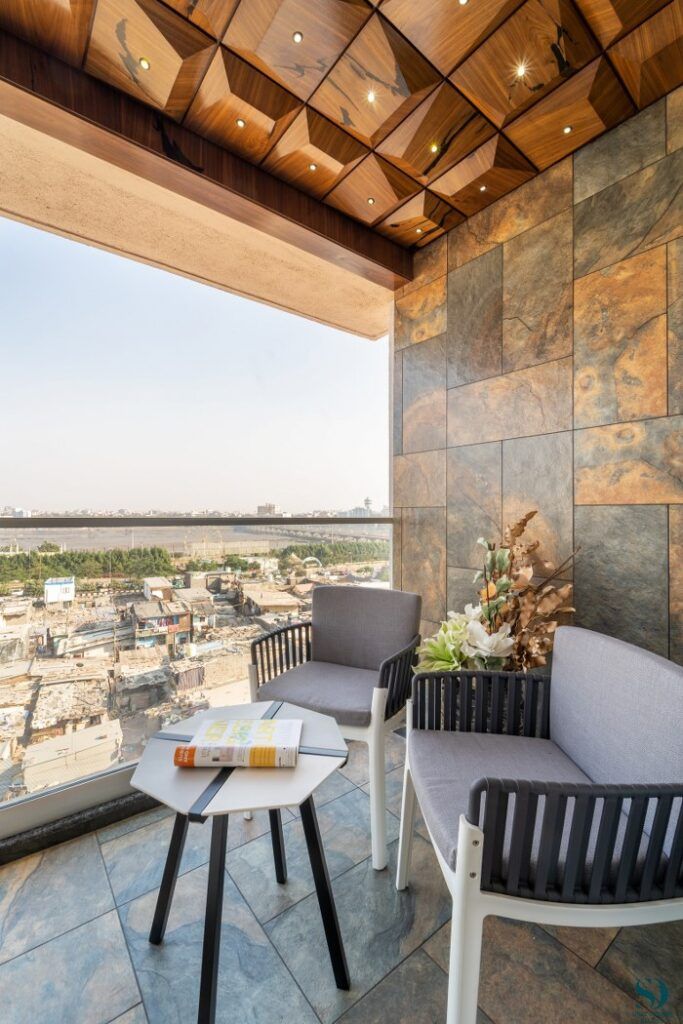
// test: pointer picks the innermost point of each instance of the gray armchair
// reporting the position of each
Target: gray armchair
(353, 661)
(556, 800)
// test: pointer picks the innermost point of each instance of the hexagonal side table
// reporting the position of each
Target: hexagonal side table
(196, 794)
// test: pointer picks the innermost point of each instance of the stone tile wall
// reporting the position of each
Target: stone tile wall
(537, 364)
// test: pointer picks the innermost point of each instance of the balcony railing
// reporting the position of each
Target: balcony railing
(83, 684)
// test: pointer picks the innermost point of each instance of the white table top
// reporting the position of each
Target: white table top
(206, 791)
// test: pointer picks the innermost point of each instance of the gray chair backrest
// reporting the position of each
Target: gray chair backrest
(616, 709)
(361, 626)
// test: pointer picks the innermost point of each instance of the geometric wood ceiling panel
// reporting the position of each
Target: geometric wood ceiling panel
(650, 59)
(538, 47)
(148, 51)
(376, 82)
(405, 115)
(263, 31)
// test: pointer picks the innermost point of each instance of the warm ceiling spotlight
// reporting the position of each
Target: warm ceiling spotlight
(240, 122)
(371, 97)
(567, 129)
(482, 188)
(298, 37)
(371, 201)
(313, 167)
(521, 70)
(418, 231)
(434, 147)
(144, 64)
(462, 2)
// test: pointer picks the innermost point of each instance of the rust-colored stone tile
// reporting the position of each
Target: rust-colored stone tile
(675, 324)
(620, 341)
(588, 943)
(420, 480)
(638, 213)
(674, 120)
(397, 549)
(424, 396)
(424, 558)
(462, 589)
(537, 297)
(429, 262)
(421, 314)
(528, 977)
(537, 474)
(630, 463)
(676, 583)
(528, 205)
(627, 148)
(474, 501)
(537, 400)
(397, 404)
(475, 314)
(648, 955)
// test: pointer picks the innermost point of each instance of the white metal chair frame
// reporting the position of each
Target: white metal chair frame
(479, 850)
(289, 646)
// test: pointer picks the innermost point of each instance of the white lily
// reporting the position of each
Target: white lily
(480, 644)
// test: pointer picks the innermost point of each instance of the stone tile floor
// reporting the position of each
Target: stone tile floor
(74, 923)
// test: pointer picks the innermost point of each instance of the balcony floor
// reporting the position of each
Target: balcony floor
(74, 923)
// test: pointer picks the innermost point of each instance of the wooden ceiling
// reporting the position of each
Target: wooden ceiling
(405, 115)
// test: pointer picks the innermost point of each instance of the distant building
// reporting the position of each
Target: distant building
(157, 587)
(73, 755)
(59, 590)
(268, 509)
(161, 622)
(260, 600)
(200, 605)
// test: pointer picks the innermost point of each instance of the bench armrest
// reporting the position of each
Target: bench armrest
(281, 649)
(528, 824)
(395, 674)
(516, 703)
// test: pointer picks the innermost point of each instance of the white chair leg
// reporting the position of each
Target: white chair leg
(464, 965)
(248, 815)
(378, 819)
(253, 683)
(405, 842)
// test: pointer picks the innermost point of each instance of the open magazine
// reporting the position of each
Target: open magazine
(242, 743)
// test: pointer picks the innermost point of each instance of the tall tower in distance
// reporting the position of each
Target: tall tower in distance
(368, 505)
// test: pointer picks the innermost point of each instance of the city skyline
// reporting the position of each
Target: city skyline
(151, 391)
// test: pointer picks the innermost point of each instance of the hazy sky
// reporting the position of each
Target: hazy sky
(123, 386)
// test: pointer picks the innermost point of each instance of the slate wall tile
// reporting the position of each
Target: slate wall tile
(429, 262)
(474, 500)
(620, 579)
(630, 463)
(424, 558)
(462, 589)
(537, 400)
(620, 341)
(632, 145)
(475, 310)
(638, 213)
(528, 205)
(537, 296)
(676, 583)
(537, 474)
(675, 324)
(421, 314)
(424, 395)
(420, 479)
(397, 404)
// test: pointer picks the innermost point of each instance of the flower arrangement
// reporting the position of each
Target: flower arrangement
(513, 625)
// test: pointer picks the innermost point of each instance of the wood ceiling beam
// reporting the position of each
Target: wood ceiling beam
(44, 93)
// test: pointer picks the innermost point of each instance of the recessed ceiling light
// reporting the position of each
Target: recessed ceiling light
(418, 231)
(371, 96)
(434, 147)
(240, 122)
(462, 2)
(144, 64)
(371, 201)
(520, 70)
(298, 37)
(567, 129)
(313, 167)
(482, 188)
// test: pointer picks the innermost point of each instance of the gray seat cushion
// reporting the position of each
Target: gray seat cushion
(444, 765)
(361, 627)
(337, 690)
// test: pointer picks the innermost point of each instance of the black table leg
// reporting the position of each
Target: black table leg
(170, 877)
(212, 921)
(278, 838)
(323, 887)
